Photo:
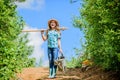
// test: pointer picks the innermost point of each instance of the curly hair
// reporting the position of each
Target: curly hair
(56, 22)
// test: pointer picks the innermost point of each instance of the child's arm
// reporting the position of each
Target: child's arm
(59, 45)
(43, 36)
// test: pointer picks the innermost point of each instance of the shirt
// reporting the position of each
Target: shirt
(53, 37)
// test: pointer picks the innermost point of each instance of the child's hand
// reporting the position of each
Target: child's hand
(42, 31)
(60, 50)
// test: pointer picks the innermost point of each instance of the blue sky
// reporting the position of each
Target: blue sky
(36, 14)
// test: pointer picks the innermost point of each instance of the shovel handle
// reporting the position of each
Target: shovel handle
(62, 28)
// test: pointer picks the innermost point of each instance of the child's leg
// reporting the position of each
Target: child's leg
(51, 61)
(55, 52)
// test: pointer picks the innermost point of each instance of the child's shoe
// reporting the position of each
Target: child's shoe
(54, 71)
(50, 73)
(51, 77)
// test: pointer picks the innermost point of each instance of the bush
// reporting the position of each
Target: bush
(14, 51)
(99, 20)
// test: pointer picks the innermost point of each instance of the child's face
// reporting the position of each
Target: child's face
(52, 24)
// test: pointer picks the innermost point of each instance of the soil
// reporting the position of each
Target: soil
(93, 73)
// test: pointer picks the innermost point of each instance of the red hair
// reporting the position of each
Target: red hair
(56, 22)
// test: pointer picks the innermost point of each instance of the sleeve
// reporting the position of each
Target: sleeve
(59, 35)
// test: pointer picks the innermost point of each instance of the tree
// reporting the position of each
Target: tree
(99, 20)
(14, 50)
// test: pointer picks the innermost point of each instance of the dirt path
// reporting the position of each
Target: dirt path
(42, 74)
(70, 74)
(33, 73)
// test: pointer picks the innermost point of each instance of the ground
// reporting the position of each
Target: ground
(93, 73)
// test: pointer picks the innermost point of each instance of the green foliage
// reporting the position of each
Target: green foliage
(20, 0)
(17, 0)
(14, 50)
(99, 20)
(75, 62)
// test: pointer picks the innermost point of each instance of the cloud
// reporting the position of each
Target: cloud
(46, 63)
(31, 4)
(36, 41)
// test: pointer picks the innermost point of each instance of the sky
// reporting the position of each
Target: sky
(36, 14)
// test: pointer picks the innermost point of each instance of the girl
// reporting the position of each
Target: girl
(54, 43)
